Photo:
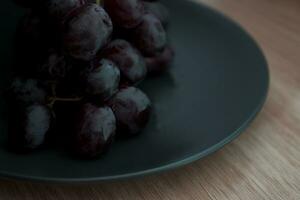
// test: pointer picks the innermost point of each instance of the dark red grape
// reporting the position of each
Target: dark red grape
(29, 126)
(101, 79)
(61, 9)
(128, 59)
(95, 130)
(132, 110)
(160, 62)
(124, 13)
(149, 37)
(87, 32)
(54, 67)
(26, 91)
(159, 10)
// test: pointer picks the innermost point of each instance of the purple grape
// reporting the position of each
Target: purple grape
(95, 130)
(132, 109)
(124, 13)
(159, 10)
(86, 33)
(54, 67)
(101, 79)
(149, 37)
(159, 63)
(59, 10)
(128, 59)
(26, 92)
(28, 127)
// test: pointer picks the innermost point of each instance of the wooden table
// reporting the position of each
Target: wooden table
(263, 163)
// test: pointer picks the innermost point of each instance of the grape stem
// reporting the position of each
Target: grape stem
(54, 98)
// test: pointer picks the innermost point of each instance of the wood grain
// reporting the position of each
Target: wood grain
(262, 164)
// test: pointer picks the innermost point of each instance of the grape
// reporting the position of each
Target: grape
(26, 91)
(77, 64)
(124, 13)
(55, 67)
(132, 110)
(149, 37)
(101, 79)
(28, 128)
(128, 59)
(159, 10)
(61, 9)
(160, 62)
(87, 32)
(95, 130)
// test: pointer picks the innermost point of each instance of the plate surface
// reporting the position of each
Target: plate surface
(216, 87)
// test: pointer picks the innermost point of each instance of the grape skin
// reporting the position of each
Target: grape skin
(125, 13)
(79, 64)
(85, 34)
(102, 79)
(95, 130)
(160, 62)
(26, 91)
(149, 37)
(132, 109)
(127, 59)
(28, 128)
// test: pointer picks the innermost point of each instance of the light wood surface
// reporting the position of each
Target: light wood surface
(263, 163)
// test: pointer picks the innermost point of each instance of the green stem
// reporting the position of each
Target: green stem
(53, 99)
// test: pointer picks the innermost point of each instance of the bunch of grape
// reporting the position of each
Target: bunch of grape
(78, 63)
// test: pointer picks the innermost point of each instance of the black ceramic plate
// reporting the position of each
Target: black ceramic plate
(216, 87)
